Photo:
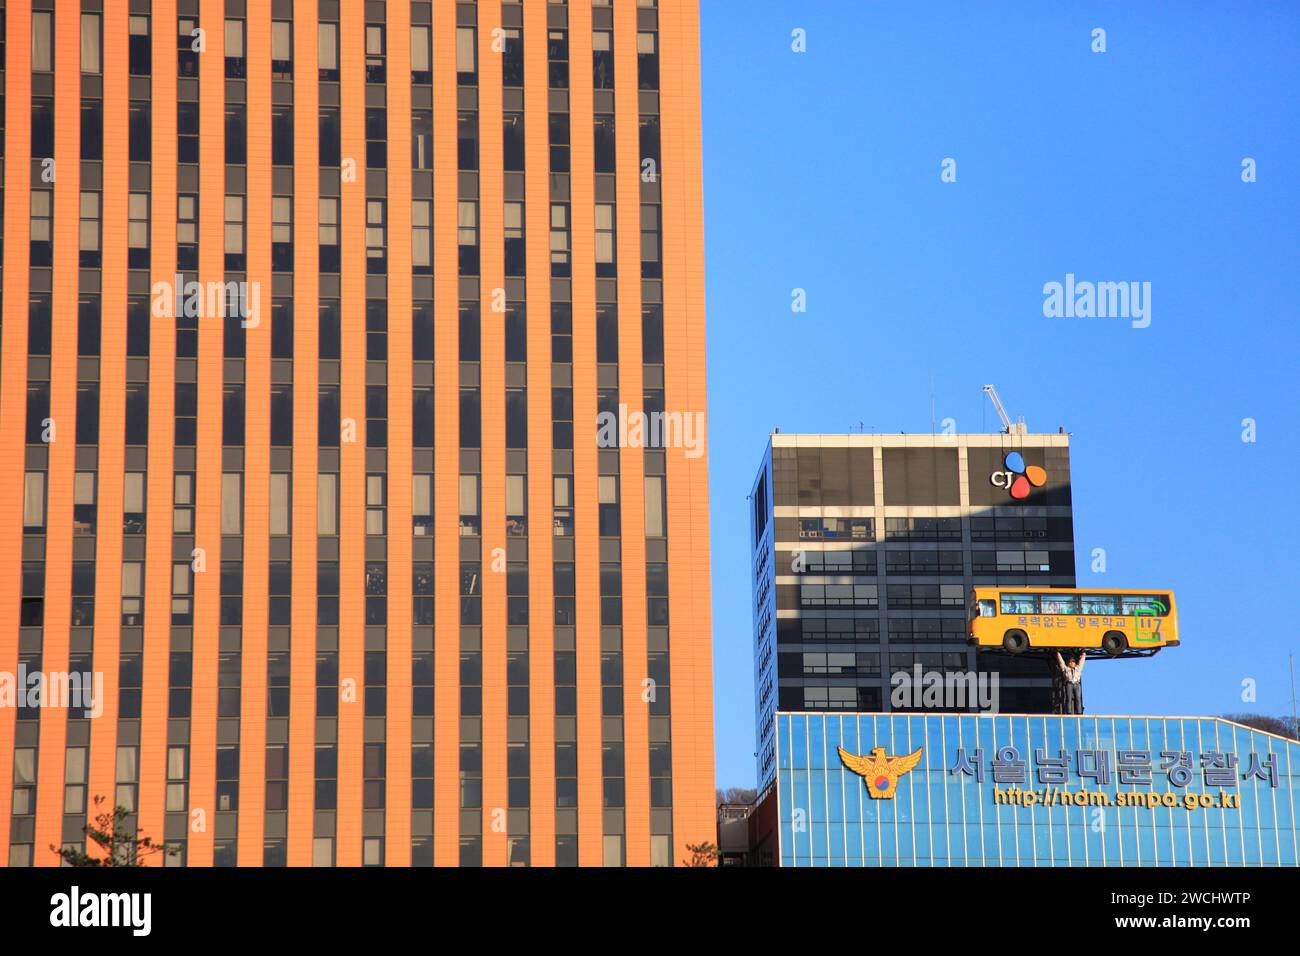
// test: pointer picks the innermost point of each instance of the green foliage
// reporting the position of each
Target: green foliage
(701, 854)
(121, 845)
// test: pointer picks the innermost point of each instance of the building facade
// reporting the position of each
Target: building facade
(865, 548)
(1035, 791)
(310, 308)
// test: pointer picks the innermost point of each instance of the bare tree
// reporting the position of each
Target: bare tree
(735, 795)
(1282, 726)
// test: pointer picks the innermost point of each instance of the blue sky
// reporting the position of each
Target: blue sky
(822, 172)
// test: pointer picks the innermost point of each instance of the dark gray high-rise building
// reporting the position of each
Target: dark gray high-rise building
(865, 549)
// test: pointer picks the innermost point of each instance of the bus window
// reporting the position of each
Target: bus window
(1059, 603)
(1019, 604)
(1100, 604)
(988, 608)
(1145, 604)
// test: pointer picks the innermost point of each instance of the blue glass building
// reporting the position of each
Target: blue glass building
(1034, 790)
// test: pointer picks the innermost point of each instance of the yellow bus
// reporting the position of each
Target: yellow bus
(1133, 623)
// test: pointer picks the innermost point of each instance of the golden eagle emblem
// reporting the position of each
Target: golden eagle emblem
(879, 771)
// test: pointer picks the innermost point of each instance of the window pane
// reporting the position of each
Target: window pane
(132, 578)
(42, 42)
(34, 500)
(279, 504)
(515, 504)
(235, 38)
(281, 44)
(654, 506)
(464, 50)
(231, 505)
(420, 49)
(468, 494)
(90, 43)
(83, 488)
(421, 495)
(327, 504)
(327, 47)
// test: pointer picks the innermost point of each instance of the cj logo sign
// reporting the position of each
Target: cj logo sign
(1019, 479)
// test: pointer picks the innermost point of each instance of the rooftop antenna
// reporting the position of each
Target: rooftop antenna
(1295, 724)
(933, 429)
(1008, 426)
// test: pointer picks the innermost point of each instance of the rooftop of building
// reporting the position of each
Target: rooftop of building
(917, 440)
(1062, 717)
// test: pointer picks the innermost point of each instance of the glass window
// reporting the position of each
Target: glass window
(327, 485)
(133, 492)
(232, 505)
(42, 42)
(89, 234)
(469, 494)
(74, 765)
(467, 216)
(514, 220)
(375, 229)
(613, 850)
(1144, 604)
(1059, 603)
(604, 233)
(374, 53)
(140, 51)
(34, 500)
(279, 503)
(322, 851)
(516, 497)
(126, 764)
(234, 225)
(25, 766)
(563, 491)
(420, 60)
(137, 226)
(42, 211)
(281, 219)
(327, 48)
(329, 222)
(132, 578)
(234, 49)
(422, 503)
(281, 45)
(83, 488)
(90, 43)
(422, 234)
(465, 59)
(1099, 604)
(1019, 604)
(654, 507)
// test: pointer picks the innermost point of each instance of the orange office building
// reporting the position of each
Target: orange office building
(315, 546)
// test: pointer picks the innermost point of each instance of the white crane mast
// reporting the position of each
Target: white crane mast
(1008, 426)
